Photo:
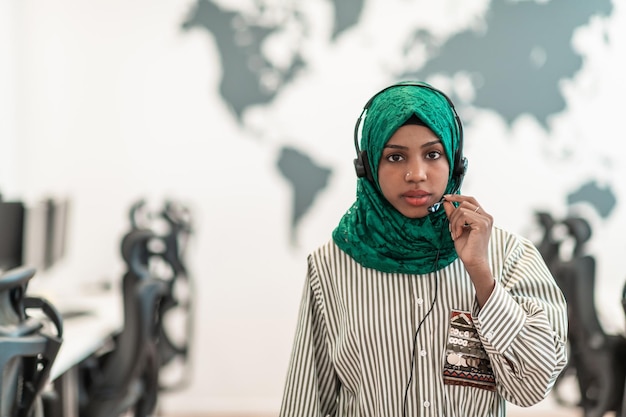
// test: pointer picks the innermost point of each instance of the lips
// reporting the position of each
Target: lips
(416, 197)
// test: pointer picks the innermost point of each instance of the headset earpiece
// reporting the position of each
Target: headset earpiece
(460, 167)
(361, 165)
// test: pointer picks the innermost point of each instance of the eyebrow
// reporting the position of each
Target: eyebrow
(426, 145)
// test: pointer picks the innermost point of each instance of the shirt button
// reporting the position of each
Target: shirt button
(422, 353)
(426, 404)
(420, 301)
(489, 335)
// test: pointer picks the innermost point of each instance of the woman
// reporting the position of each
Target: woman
(419, 305)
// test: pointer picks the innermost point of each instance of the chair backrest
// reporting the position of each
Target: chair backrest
(548, 246)
(177, 311)
(173, 227)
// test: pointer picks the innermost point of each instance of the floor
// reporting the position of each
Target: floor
(511, 413)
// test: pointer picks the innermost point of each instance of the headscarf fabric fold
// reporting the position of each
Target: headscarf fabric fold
(372, 231)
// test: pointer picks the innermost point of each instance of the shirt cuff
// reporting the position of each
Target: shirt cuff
(499, 321)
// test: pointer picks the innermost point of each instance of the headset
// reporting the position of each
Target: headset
(361, 162)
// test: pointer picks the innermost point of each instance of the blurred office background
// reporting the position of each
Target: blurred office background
(244, 110)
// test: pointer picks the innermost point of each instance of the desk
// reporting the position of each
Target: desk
(87, 333)
(101, 317)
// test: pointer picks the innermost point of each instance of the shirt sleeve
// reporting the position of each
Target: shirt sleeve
(523, 327)
(311, 386)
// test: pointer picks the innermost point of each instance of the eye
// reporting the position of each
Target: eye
(433, 155)
(394, 157)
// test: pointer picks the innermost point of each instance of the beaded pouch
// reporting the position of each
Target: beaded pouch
(466, 362)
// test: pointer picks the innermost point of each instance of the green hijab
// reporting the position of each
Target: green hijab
(372, 231)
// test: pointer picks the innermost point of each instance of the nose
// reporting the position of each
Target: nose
(416, 172)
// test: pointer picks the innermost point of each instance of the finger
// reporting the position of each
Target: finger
(462, 200)
(448, 207)
(470, 208)
(456, 219)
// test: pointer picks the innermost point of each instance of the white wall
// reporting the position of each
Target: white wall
(113, 102)
(8, 134)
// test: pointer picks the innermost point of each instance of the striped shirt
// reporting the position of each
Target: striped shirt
(371, 344)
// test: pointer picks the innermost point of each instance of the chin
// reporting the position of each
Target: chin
(415, 213)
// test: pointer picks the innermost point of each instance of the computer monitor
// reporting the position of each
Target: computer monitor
(35, 244)
(58, 214)
(45, 233)
(11, 234)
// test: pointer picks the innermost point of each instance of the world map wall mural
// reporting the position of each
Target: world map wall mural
(512, 57)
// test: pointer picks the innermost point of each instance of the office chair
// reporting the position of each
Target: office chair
(172, 226)
(598, 358)
(177, 309)
(28, 345)
(126, 378)
(623, 410)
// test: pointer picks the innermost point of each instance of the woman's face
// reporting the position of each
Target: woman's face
(413, 170)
